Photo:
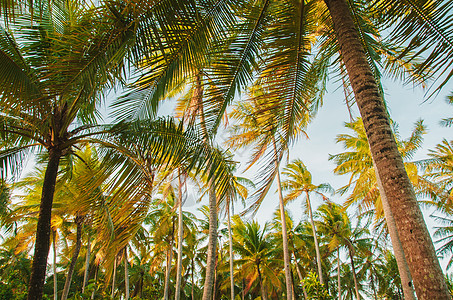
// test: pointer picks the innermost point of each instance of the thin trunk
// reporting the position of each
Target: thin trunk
(212, 236)
(55, 283)
(113, 278)
(126, 274)
(356, 285)
(301, 278)
(403, 268)
(75, 255)
(263, 292)
(42, 244)
(315, 238)
(168, 268)
(417, 244)
(180, 239)
(95, 279)
(214, 292)
(87, 264)
(230, 239)
(339, 274)
(243, 290)
(286, 258)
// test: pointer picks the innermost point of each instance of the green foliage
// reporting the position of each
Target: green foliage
(314, 289)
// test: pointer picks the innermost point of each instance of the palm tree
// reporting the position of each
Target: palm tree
(50, 89)
(299, 182)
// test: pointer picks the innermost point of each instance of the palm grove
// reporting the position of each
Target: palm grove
(108, 198)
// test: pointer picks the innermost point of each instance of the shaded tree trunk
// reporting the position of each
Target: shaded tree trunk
(168, 268)
(299, 273)
(75, 255)
(263, 291)
(42, 244)
(315, 238)
(114, 277)
(126, 274)
(403, 268)
(55, 282)
(87, 264)
(417, 244)
(356, 285)
(193, 281)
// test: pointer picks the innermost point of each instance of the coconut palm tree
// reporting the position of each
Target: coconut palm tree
(299, 182)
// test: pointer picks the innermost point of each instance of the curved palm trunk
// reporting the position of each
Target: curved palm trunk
(75, 255)
(403, 268)
(417, 244)
(38, 270)
(356, 285)
(299, 273)
(230, 249)
(315, 238)
(180, 238)
(55, 285)
(87, 264)
(286, 258)
(126, 274)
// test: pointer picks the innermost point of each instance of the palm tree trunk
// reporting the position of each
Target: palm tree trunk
(168, 269)
(55, 283)
(356, 285)
(126, 274)
(75, 255)
(301, 278)
(315, 238)
(38, 270)
(193, 281)
(230, 239)
(180, 239)
(417, 244)
(339, 274)
(263, 292)
(212, 237)
(114, 277)
(403, 268)
(87, 264)
(286, 258)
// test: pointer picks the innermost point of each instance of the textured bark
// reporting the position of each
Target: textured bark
(180, 239)
(212, 246)
(87, 264)
(126, 274)
(420, 254)
(75, 255)
(403, 268)
(230, 249)
(315, 238)
(42, 244)
(55, 283)
(286, 258)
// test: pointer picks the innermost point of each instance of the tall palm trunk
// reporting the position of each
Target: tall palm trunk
(315, 238)
(230, 249)
(126, 274)
(87, 264)
(351, 255)
(417, 244)
(403, 268)
(55, 284)
(339, 274)
(212, 237)
(38, 270)
(180, 239)
(193, 281)
(75, 255)
(286, 258)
